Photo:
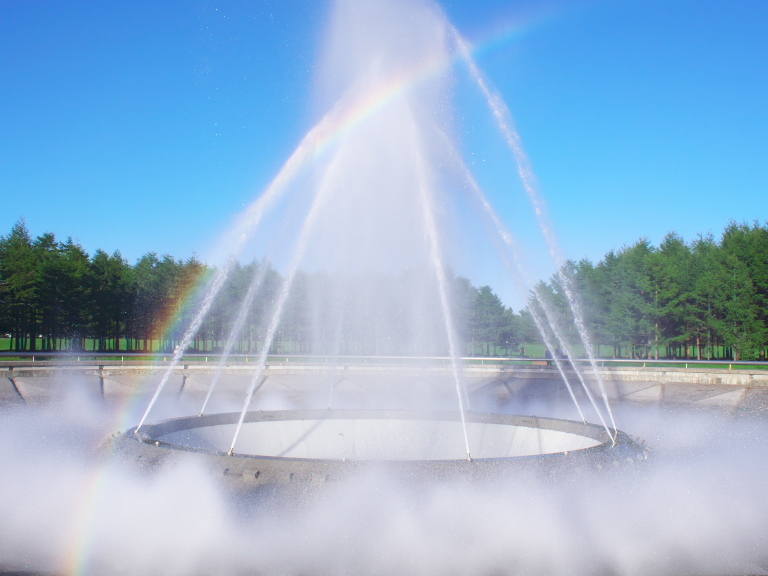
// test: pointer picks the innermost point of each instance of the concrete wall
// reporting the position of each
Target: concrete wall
(36, 382)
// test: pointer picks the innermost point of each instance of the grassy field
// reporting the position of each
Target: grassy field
(533, 350)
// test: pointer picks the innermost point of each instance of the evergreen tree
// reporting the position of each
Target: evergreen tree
(18, 286)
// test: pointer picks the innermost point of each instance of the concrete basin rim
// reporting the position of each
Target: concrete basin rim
(151, 434)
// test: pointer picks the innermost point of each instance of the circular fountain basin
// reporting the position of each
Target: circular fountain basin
(320, 445)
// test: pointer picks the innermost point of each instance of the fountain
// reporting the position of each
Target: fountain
(407, 467)
(378, 174)
(296, 448)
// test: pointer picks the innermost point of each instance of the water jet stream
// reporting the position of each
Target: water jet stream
(553, 324)
(306, 150)
(253, 289)
(538, 300)
(527, 176)
(524, 285)
(301, 246)
(244, 230)
(341, 293)
(216, 286)
(518, 272)
(437, 262)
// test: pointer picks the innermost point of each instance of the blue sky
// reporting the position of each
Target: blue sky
(145, 126)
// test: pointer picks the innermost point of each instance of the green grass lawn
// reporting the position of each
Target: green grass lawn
(532, 350)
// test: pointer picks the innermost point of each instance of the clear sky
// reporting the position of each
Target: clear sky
(146, 126)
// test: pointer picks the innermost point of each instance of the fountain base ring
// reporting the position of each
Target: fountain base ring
(291, 447)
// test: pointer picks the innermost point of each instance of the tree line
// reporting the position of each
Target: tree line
(54, 296)
(702, 299)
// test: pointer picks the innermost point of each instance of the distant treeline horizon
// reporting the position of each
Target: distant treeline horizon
(701, 299)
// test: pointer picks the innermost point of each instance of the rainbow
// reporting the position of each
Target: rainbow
(75, 561)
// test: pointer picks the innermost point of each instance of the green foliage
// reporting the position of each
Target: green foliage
(54, 296)
(55, 289)
(702, 299)
(678, 300)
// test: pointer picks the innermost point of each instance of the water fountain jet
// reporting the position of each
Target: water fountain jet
(381, 146)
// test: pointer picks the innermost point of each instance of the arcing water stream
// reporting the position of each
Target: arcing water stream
(427, 203)
(245, 308)
(502, 115)
(372, 131)
(508, 247)
(326, 187)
